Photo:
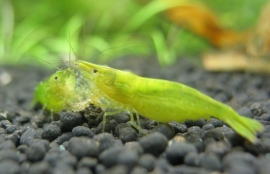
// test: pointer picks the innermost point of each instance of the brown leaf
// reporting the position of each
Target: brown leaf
(204, 22)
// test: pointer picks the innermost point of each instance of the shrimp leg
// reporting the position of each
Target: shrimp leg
(108, 113)
(134, 124)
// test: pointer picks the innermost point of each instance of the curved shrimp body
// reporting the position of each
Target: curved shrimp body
(162, 100)
(177, 102)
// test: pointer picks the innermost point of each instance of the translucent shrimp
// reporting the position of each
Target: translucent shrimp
(117, 91)
(64, 90)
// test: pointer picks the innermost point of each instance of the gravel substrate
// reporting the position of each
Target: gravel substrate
(31, 143)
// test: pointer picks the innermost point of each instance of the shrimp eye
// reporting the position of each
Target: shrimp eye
(55, 78)
(95, 70)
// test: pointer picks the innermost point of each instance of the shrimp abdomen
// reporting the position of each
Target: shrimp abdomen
(166, 101)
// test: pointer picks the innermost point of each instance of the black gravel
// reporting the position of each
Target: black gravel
(30, 142)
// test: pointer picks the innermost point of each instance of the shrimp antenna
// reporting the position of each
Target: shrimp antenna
(117, 46)
(70, 46)
(84, 39)
(69, 53)
(48, 63)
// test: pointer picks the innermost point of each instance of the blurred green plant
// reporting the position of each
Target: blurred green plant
(34, 30)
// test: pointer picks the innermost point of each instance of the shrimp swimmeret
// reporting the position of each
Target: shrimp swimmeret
(86, 83)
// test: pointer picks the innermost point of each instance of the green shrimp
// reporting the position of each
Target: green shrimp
(156, 99)
(63, 91)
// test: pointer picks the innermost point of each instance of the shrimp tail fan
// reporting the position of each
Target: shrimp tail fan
(245, 126)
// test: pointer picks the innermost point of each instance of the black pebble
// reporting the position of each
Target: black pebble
(128, 158)
(191, 159)
(256, 82)
(176, 152)
(22, 148)
(219, 148)
(154, 143)
(56, 123)
(223, 97)
(11, 116)
(100, 169)
(187, 169)
(148, 124)
(9, 154)
(5, 123)
(94, 122)
(37, 121)
(107, 127)
(42, 142)
(195, 130)
(178, 127)
(7, 145)
(162, 164)
(134, 146)
(210, 161)
(40, 167)
(84, 170)
(2, 131)
(82, 131)
(35, 152)
(13, 137)
(215, 122)
(245, 111)
(22, 158)
(88, 162)
(139, 170)
(68, 158)
(104, 141)
(263, 165)
(51, 132)
(147, 161)
(109, 156)
(239, 162)
(23, 119)
(69, 120)
(118, 127)
(63, 168)
(2, 117)
(266, 145)
(119, 169)
(194, 138)
(65, 144)
(64, 137)
(82, 146)
(121, 118)
(12, 128)
(2, 138)
(113, 124)
(239, 167)
(257, 109)
(28, 136)
(53, 157)
(165, 129)
(127, 134)
(219, 133)
(255, 149)
(265, 133)
(265, 117)
(198, 123)
(208, 126)
(9, 167)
